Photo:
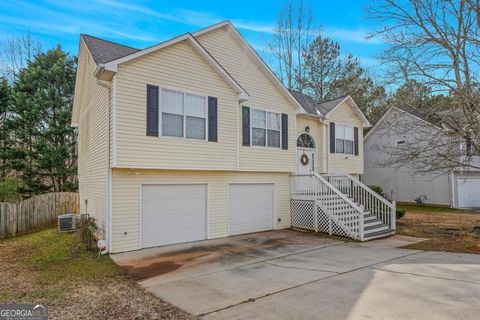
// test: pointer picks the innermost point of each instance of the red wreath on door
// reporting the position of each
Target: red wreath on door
(304, 159)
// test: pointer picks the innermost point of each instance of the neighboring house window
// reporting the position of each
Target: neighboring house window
(183, 115)
(265, 128)
(400, 142)
(344, 139)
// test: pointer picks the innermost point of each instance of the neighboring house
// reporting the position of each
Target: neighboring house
(460, 188)
(195, 138)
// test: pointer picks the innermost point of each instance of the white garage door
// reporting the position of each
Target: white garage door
(250, 208)
(173, 214)
(469, 192)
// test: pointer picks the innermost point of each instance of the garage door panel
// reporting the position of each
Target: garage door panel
(173, 214)
(250, 208)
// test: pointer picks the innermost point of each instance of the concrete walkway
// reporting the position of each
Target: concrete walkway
(293, 275)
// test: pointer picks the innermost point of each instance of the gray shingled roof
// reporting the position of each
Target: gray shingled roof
(104, 51)
(314, 107)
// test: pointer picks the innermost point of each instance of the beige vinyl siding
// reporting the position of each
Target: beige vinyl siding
(181, 68)
(317, 129)
(92, 142)
(263, 94)
(347, 163)
(126, 221)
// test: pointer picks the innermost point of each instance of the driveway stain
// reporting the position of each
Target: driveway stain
(225, 253)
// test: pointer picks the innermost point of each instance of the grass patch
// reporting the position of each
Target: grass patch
(446, 229)
(54, 268)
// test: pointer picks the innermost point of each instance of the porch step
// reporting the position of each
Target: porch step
(375, 228)
(379, 234)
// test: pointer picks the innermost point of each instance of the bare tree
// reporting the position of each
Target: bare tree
(436, 43)
(15, 52)
(292, 34)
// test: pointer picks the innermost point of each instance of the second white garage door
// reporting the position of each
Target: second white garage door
(173, 214)
(251, 208)
(468, 192)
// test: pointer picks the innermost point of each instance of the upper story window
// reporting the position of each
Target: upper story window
(183, 115)
(344, 139)
(265, 128)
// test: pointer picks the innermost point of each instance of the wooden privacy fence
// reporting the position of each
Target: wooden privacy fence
(35, 212)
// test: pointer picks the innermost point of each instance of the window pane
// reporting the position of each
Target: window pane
(258, 118)
(339, 132)
(172, 125)
(274, 138)
(172, 102)
(258, 137)
(348, 146)
(273, 121)
(349, 133)
(195, 106)
(339, 146)
(195, 128)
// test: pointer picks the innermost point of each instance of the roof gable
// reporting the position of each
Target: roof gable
(325, 108)
(403, 110)
(238, 38)
(112, 65)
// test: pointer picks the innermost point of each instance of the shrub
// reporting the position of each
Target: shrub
(400, 213)
(377, 189)
(89, 231)
(9, 190)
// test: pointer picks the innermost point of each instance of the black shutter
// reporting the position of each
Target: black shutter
(246, 126)
(212, 119)
(355, 140)
(332, 137)
(284, 131)
(152, 110)
(468, 145)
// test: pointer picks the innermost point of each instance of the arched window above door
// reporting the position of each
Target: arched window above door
(305, 141)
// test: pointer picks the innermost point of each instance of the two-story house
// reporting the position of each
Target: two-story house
(195, 138)
(400, 127)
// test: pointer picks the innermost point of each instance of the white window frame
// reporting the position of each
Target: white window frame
(184, 92)
(353, 141)
(265, 128)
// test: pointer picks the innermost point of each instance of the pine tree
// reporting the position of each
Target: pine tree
(44, 149)
(4, 132)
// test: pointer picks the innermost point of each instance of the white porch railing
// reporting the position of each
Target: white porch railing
(317, 205)
(363, 195)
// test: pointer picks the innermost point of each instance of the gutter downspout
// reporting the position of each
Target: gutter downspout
(109, 175)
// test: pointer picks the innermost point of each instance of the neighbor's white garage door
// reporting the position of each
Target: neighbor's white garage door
(469, 192)
(250, 208)
(173, 214)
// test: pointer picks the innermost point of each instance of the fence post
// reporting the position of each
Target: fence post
(360, 224)
(315, 215)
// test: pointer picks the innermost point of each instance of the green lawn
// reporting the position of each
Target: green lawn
(53, 268)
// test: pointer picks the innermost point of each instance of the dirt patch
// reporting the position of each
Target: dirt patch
(453, 231)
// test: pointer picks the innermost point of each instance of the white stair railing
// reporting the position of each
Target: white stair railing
(363, 195)
(317, 205)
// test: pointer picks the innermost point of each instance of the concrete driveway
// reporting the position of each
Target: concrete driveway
(293, 275)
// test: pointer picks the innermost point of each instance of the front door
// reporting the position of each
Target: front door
(305, 160)
(306, 152)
